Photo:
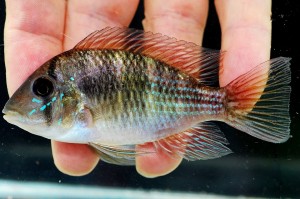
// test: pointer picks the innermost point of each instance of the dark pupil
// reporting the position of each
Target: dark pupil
(42, 87)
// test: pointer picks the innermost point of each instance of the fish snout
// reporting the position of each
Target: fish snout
(9, 108)
(10, 112)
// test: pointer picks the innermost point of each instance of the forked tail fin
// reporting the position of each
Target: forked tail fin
(258, 101)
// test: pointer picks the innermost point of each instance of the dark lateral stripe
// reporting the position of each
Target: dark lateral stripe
(47, 112)
(52, 67)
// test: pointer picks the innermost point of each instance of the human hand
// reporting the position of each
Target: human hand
(35, 31)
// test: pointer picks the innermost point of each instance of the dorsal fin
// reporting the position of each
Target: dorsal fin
(198, 62)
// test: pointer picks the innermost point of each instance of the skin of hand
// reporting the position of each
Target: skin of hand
(35, 31)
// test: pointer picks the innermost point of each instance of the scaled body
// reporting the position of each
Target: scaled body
(121, 87)
(135, 99)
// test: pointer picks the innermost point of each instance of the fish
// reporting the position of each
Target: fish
(122, 87)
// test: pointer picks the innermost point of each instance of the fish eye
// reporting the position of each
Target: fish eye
(43, 87)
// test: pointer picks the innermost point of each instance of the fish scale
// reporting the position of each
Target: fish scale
(122, 87)
(145, 89)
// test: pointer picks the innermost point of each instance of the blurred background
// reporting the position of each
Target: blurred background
(256, 168)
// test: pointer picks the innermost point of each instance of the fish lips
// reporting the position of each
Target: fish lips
(14, 116)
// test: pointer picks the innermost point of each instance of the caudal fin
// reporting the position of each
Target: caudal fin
(258, 101)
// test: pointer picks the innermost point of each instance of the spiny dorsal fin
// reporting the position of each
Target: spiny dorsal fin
(198, 62)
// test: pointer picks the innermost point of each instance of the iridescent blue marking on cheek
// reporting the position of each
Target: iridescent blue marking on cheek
(72, 78)
(36, 100)
(48, 104)
(59, 121)
(43, 108)
(53, 99)
(60, 97)
(31, 112)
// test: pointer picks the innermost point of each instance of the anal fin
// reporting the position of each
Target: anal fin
(201, 142)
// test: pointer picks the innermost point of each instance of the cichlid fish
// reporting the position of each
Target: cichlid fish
(120, 87)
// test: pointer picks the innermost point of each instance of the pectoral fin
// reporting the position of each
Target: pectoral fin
(84, 117)
(120, 155)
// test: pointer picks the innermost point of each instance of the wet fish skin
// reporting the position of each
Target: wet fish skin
(129, 89)
(121, 87)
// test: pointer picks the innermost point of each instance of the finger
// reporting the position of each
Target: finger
(83, 162)
(73, 159)
(181, 19)
(184, 20)
(155, 164)
(246, 35)
(84, 17)
(31, 36)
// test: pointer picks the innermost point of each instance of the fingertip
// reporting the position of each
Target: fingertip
(246, 36)
(157, 164)
(74, 159)
(85, 17)
(184, 20)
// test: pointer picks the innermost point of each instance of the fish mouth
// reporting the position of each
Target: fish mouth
(9, 112)
(9, 109)
(13, 116)
(16, 117)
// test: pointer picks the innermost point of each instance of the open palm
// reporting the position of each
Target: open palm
(35, 31)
